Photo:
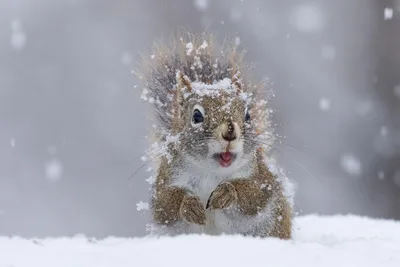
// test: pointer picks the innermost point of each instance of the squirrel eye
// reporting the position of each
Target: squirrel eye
(197, 116)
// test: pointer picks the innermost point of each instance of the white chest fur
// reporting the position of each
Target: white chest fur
(202, 184)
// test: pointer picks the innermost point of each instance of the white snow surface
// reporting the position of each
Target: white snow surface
(318, 241)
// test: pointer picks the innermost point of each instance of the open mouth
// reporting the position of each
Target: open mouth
(225, 159)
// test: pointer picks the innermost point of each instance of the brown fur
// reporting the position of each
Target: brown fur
(246, 193)
(250, 194)
(166, 200)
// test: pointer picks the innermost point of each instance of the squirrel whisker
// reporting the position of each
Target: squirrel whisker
(146, 163)
(283, 146)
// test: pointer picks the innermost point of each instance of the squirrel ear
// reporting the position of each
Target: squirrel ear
(237, 82)
(183, 81)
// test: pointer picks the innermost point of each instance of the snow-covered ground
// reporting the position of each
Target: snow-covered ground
(319, 241)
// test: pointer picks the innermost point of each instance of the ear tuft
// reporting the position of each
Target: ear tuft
(183, 81)
(237, 82)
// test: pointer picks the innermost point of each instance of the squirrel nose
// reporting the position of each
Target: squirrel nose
(230, 134)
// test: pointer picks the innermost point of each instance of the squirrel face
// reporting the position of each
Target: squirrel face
(219, 135)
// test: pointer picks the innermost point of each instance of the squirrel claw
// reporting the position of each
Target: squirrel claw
(222, 197)
(192, 211)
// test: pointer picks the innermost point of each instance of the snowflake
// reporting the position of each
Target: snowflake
(351, 164)
(54, 170)
(237, 40)
(142, 206)
(18, 37)
(324, 104)
(388, 13)
(308, 18)
(189, 48)
(151, 180)
(18, 40)
(201, 5)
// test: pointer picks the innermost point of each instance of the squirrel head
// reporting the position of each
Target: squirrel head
(217, 125)
(208, 111)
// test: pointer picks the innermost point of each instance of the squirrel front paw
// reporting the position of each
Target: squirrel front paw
(192, 211)
(222, 197)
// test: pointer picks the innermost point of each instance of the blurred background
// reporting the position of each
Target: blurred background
(72, 121)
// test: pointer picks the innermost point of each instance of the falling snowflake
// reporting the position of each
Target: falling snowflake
(201, 5)
(308, 18)
(18, 37)
(142, 206)
(324, 104)
(18, 40)
(189, 48)
(388, 13)
(237, 40)
(351, 164)
(151, 180)
(12, 142)
(54, 170)
(145, 92)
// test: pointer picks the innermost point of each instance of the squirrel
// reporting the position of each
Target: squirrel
(212, 130)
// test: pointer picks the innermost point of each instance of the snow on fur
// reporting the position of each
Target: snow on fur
(189, 71)
(344, 241)
(208, 70)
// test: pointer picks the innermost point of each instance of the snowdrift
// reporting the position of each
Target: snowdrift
(318, 241)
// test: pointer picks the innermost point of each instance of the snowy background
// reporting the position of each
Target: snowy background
(72, 122)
